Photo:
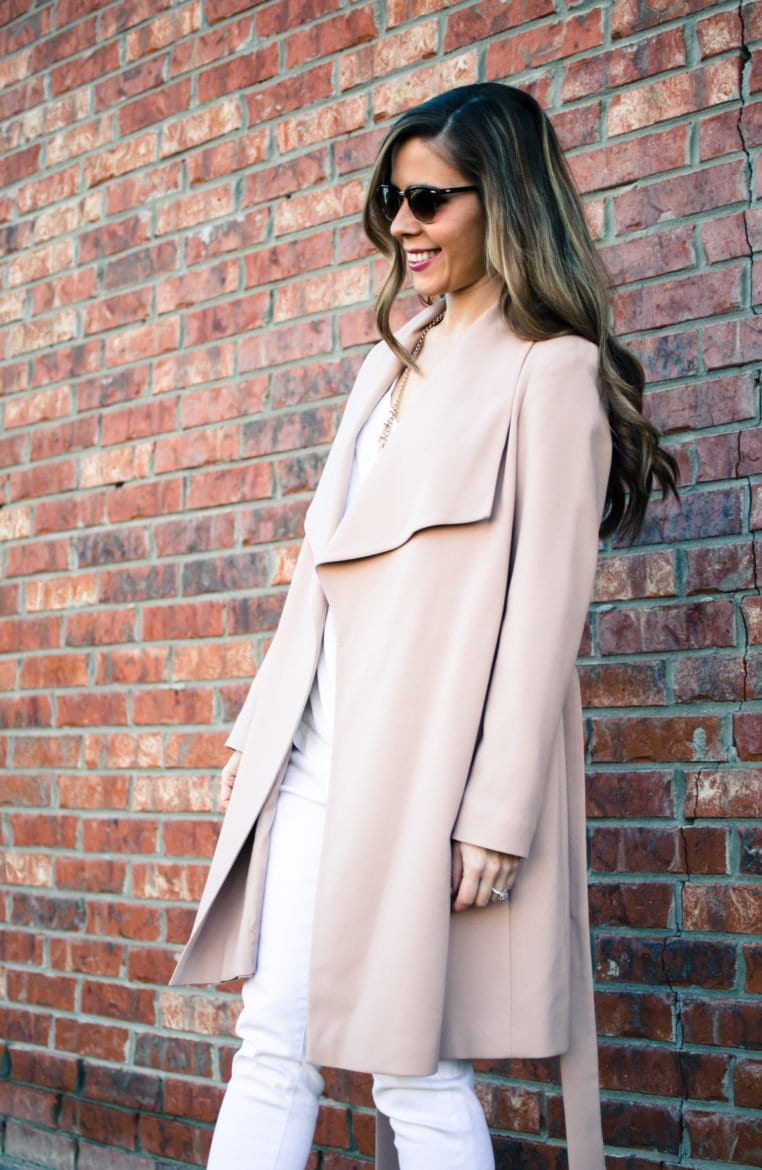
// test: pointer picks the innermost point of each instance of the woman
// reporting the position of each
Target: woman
(402, 864)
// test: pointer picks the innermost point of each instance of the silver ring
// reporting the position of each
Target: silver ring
(501, 895)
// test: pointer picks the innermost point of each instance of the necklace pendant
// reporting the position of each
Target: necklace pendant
(387, 430)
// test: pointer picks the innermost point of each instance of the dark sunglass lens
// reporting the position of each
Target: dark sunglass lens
(389, 200)
(424, 203)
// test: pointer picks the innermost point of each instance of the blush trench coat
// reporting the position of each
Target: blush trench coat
(459, 582)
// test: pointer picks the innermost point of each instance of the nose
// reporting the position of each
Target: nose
(404, 222)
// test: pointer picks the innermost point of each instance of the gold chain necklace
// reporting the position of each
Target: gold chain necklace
(399, 391)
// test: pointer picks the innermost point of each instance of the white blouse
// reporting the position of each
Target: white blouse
(310, 760)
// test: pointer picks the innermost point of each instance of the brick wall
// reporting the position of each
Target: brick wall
(184, 300)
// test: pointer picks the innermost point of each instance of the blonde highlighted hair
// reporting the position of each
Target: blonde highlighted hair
(538, 245)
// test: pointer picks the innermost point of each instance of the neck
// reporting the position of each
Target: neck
(464, 307)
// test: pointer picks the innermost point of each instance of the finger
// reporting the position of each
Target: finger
(484, 893)
(456, 867)
(467, 889)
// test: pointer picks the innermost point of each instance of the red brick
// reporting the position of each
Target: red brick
(548, 42)
(647, 907)
(27, 1103)
(112, 546)
(239, 73)
(656, 850)
(747, 733)
(94, 1120)
(392, 97)
(100, 792)
(747, 1083)
(27, 1027)
(239, 316)
(703, 514)
(115, 1001)
(98, 1040)
(657, 739)
(723, 400)
(635, 1014)
(133, 502)
(224, 487)
(488, 18)
(709, 678)
(732, 909)
(343, 31)
(173, 1053)
(173, 794)
(723, 1138)
(722, 1023)
(24, 789)
(200, 619)
(225, 158)
(666, 627)
(40, 990)
(96, 875)
(318, 207)
(751, 608)
(176, 1139)
(53, 830)
(704, 294)
(100, 625)
(136, 422)
(199, 750)
(630, 16)
(298, 385)
(122, 920)
(660, 253)
(625, 684)
(702, 190)
(150, 965)
(91, 956)
(42, 752)
(672, 96)
(25, 711)
(224, 573)
(751, 850)
(295, 429)
(620, 578)
(43, 1148)
(173, 706)
(88, 709)
(275, 263)
(666, 961)
(626, 1068)
(621, 66)
(293, 93)
(733, 793)
(387, 55)
(753, 959)
(630, 794)
(312, 126)
(184, 1099)
(640, 1124)
(190, 838)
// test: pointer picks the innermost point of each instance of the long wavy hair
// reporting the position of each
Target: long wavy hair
(538, 245)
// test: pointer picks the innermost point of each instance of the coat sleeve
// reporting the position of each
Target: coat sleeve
(562, 465)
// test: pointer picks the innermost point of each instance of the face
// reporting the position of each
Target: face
(445, 256)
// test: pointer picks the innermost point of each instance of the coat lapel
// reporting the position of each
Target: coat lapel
(441, 463)
(376, 375)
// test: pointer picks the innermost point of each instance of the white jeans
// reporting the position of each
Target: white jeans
(268, 1114)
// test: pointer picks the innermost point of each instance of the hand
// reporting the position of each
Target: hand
(229, 773)
(476, 870)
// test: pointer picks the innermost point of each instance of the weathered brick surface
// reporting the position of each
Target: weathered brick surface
(185, 298)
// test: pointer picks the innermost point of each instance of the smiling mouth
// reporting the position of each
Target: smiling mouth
(420, 258)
